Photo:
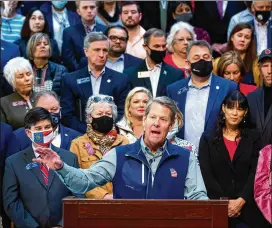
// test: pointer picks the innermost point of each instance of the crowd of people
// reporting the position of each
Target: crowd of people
(135, 100)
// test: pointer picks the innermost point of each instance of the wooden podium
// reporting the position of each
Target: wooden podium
(79, 213)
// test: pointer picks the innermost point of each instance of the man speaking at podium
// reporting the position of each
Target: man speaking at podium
(150, 168)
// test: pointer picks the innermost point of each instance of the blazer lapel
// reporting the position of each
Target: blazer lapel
(106, 83)
(29, 155)
(64, 138)
(162, 80)
(268, 118)
(241, 148)
(52, 174)
(222, 150)
(260, 106)
(85, 86)
(145, 81)
(214, 90)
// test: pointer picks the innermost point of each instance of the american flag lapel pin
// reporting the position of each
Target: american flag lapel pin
(173, 173)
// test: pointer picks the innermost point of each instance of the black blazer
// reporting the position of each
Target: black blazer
(232, 179)
(168, 76)
(256, 106)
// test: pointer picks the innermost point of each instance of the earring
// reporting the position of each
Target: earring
(244, 119)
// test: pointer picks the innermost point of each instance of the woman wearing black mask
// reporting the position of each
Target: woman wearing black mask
(182, 11)
(101, 136)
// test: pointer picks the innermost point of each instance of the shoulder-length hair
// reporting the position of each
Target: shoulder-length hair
(25, 32)
(33, 43)
(251, 52)
(228, 58)
(231, 100)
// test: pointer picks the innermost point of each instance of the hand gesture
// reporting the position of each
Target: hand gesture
(49, 158)
(108, 196)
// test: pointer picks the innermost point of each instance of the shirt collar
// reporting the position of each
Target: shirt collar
(146, 150)
(87, 27)
(120, 59)
(190, 83)
(92, 74)
(156, 66)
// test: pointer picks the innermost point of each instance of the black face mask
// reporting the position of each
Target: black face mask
(157, 56)
(102, 124)
(262, 16)
(202, 68)
(56, 118)
(185, 17)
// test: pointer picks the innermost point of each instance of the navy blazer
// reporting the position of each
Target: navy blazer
(129, 61)
(262, 124)
(168, 76)
(219, 89)
(46, 8)
(8, 52)
(19, 140)
(76, 89)
(28, 201)
(72, 46)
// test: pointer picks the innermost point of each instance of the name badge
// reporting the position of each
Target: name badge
(143, 74)
(83, 80)
(18, 103)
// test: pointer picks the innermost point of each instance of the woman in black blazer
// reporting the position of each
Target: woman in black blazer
(228, 160)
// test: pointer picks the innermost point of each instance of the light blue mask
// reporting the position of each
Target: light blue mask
(59, 4)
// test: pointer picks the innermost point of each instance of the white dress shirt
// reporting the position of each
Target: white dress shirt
(261, 35)
(154, 75)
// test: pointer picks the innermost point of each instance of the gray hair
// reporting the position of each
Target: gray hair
(94, 36)
(152, 32)
(179, 26)
(15, 65)
(164, 101)
(90, 106)
(46, 93)
(200, 43)
(33, 43)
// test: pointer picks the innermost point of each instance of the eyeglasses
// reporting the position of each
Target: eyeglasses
(107, 99)
(115, 38)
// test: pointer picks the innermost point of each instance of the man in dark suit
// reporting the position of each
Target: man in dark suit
(117, 60)
(153, 73)
(5, 132)
(31, 192)
(49, 101)
(78, 86)
(200, 96)
(214, 16)
(260, 102)
(58, 18)
(73, 37)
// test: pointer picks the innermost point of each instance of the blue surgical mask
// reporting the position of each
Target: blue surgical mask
(59, 4)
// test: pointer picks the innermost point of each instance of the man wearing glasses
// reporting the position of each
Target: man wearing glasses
(93, 79)
(117, 60)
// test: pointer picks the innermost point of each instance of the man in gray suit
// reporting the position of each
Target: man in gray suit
(32, 195)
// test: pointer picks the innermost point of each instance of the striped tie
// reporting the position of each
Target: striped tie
(45, 172)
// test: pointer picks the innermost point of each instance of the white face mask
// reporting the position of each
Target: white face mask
(43, 138)
(171, 134)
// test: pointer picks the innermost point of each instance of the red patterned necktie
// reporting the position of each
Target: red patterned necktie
(45, 172)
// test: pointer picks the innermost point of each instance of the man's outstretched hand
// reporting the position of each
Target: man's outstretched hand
(48, 157)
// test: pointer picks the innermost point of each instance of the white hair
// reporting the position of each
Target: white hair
(15, 65)
(90, 106)
(174, 30)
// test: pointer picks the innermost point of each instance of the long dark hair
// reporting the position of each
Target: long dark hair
(251, 50)
(235, 97)
(25, 32)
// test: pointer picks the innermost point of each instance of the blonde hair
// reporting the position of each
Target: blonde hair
(230, 57)
(129, 97)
